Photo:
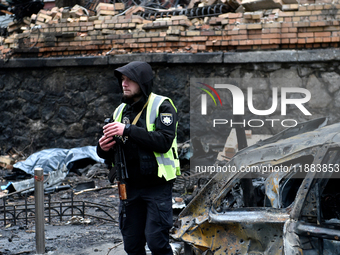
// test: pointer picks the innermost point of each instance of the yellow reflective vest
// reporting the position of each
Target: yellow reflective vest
(168, 163)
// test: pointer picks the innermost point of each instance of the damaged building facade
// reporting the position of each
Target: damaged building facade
(56, 67)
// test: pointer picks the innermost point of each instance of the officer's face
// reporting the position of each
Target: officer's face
(131, 89)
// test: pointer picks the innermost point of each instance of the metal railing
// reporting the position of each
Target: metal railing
(24, 212)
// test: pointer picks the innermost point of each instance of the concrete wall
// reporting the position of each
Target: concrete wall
(62, 102)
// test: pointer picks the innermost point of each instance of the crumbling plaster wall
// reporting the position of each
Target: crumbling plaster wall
(62, 103)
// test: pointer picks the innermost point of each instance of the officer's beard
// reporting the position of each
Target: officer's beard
(130, 99)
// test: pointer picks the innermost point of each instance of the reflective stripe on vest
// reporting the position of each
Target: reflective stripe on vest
(168, 163)
(118, 111)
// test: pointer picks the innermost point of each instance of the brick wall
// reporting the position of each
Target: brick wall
(312, 25)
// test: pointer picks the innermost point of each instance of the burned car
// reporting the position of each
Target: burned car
(279, 196)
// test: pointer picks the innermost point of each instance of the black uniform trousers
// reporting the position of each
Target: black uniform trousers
(146, 217)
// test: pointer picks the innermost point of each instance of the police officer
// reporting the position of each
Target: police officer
(147, 124)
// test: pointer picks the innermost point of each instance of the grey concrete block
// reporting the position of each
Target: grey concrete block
(146, 57)
(215, 57)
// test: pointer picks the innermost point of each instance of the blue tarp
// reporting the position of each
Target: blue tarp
(57, 159)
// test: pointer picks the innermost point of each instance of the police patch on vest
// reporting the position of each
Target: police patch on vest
(166, 118)
(126, 120)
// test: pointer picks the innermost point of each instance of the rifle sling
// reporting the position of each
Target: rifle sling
(140, 113)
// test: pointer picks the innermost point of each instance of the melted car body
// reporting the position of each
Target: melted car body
(281, 200)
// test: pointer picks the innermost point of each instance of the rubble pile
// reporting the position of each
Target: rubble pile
(247, 25)
(10, 158)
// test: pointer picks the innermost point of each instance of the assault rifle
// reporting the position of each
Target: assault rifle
(119, 169)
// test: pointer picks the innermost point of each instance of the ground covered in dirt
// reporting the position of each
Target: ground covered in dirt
(97, 232)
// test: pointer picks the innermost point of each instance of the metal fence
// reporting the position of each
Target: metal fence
(24, 212)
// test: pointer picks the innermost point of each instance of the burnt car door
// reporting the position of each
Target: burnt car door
(314, 225)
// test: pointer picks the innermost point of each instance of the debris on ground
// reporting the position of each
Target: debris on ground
(81, 209)
(77, 220)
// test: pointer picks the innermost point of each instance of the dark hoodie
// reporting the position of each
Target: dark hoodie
(140, 145)
(139, 72)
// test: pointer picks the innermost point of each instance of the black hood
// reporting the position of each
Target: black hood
(138, 71)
